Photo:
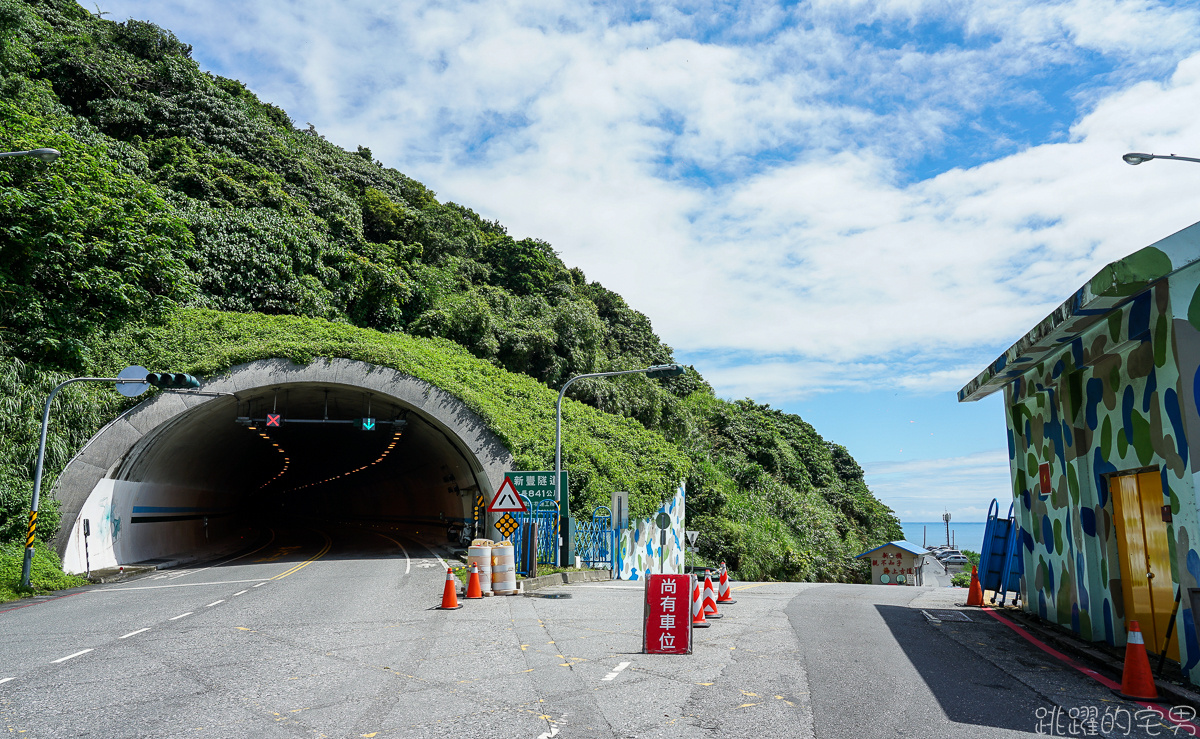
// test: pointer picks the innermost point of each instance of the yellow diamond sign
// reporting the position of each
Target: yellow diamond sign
(506, 525)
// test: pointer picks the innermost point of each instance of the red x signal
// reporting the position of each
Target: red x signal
(273, 419)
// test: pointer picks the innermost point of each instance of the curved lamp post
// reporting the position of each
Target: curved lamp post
(46, 155)
(1134, 157)
(658, 370)
(132, 382)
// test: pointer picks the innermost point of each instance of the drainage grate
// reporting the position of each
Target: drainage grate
(948, 615)
(536, 594)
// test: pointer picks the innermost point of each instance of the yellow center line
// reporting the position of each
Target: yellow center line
(747, 587)
(310, 560)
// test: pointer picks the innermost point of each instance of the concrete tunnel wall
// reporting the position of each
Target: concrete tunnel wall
(176, 472)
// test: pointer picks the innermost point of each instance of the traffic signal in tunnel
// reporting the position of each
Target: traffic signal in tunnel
(172, 380)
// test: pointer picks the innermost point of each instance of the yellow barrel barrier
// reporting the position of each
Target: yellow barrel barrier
(480, 554)
(504, 568)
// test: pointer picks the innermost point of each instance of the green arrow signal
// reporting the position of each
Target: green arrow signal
(368, 424)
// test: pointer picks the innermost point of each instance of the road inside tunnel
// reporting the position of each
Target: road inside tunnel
(229, 469)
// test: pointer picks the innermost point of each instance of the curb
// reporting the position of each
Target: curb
(114, 574)
(564, 578)
(1093, 652)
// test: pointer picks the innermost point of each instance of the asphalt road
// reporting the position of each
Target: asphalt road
(911, 662)
(331, 631)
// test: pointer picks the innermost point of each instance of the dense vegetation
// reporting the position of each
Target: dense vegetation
(190, 224)
(45, 575)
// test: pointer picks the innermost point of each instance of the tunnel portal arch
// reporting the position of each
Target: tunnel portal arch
(178, 471)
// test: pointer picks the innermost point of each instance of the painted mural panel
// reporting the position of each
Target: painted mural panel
(1108, 401)
(639, 550)
(1185, 505)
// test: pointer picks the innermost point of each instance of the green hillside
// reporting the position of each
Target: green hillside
(189, 224)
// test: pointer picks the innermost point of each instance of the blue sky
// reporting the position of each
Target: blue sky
(844, 208)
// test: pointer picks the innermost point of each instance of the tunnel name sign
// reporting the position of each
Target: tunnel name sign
(667, 628)
(536, 486)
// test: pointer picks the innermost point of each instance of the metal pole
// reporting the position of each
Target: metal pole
(1162, 658)
(566, 504)
(27, 565)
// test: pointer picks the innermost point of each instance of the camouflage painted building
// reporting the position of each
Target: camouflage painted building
(1100, 402)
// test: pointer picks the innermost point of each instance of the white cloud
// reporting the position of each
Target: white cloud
(922, 490)
(742, 176)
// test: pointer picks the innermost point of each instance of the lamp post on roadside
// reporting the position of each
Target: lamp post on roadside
(658, 370)
(132, 382)
(46, 155)
(1136, 158)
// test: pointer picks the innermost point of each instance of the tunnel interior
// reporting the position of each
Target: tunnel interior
(277, 455)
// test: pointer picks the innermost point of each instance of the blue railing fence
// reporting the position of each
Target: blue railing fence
(595, 540)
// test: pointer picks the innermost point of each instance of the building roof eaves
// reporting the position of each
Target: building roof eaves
(1114, 285)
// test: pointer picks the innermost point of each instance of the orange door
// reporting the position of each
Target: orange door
(1144, 557)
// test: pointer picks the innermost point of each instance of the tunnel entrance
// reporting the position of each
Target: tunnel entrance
(337, 441)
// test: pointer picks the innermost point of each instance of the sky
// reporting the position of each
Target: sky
(845, 209)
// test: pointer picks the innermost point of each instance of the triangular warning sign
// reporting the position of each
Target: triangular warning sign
(506, 499)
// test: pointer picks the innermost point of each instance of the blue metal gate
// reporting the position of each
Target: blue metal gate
(545, 516)
(594, 540)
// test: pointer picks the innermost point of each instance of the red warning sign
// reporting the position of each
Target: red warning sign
(273, 419)
(667, 628)
(506, 499)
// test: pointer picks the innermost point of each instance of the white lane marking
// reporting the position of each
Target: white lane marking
(181, 585)
(69, 656)
(616, 671)
(172, 618)
(435, 554)
(6, 679)
(264, 582)
(210, 605)
(550, 734)
(174, 576)
(132, 633)
(407, 561)
(240, 592)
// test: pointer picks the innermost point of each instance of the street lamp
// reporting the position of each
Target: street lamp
(46, 155)
(658, 370)
(132, 382)
(1135, 158)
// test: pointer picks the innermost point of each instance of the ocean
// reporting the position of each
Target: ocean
(965, 535)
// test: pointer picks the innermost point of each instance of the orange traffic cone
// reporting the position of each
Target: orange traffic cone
(723, 595)
(1137, 683)
(975, 594)
(698, 621)
(450, 593)
(473, 589)
(710, 597)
